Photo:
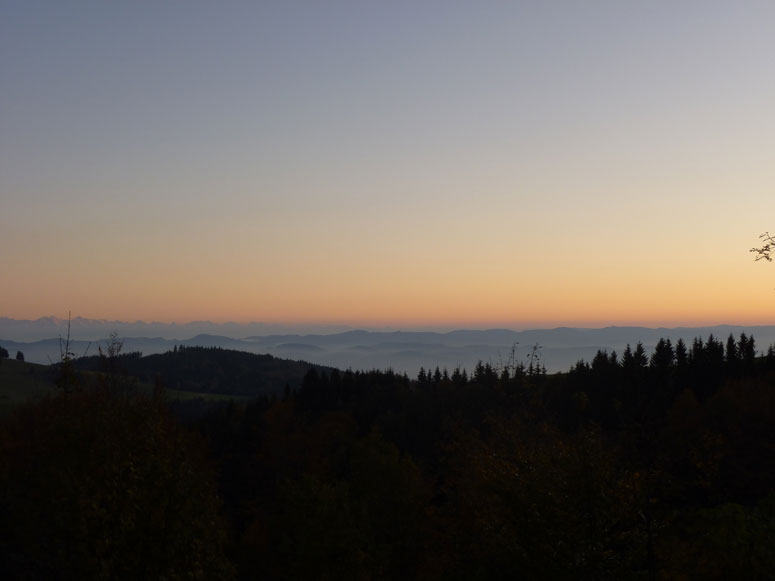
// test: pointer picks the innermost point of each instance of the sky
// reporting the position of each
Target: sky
(403, 164)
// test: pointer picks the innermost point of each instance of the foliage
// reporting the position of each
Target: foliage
(644, 465)
(94, 486)
(607, 471)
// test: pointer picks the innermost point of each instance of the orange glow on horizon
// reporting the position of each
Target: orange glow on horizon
(329, 179)
(398, 297)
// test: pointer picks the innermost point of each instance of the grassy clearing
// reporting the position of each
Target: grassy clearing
(21, 381)
(175, 394)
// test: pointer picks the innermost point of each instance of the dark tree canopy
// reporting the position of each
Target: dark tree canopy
(652, 465)
(118, 491)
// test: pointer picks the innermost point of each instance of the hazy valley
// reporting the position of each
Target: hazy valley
(402, 351)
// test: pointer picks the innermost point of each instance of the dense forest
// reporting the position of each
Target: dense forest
(642, 465)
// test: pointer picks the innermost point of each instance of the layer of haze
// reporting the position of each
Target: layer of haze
(399, 163)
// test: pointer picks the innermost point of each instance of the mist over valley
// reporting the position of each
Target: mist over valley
(401, 351)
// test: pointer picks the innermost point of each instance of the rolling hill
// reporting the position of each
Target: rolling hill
(210, 370)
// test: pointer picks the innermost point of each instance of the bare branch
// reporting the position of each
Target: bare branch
(766, 251)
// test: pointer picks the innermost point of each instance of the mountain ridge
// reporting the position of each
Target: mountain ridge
(407, 351)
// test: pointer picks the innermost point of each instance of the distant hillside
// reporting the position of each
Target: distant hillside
(210, 370)
(407, 351)
(96, 329)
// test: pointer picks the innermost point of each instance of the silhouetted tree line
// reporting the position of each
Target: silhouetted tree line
(644, 465)
(655, 465)
(637, 386)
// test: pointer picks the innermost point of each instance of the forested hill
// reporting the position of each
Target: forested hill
(209, 370)
(644, 466)
(635, 466)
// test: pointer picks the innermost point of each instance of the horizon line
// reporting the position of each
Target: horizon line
(384, 327)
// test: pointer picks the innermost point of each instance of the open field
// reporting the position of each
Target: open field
(21, 381)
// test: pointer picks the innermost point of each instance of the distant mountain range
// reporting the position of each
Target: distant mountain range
(96, 329)
(559, 348)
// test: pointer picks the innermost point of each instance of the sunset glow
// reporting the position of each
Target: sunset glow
(400, 165)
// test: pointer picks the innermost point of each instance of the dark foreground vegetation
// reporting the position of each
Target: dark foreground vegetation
(641, 466)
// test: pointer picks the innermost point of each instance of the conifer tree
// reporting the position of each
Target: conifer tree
(600, 361)
(613, 360)
(664, 355)
(628, 361)
(681, 355)
(731, 349)
(639, 356)
(746, 348)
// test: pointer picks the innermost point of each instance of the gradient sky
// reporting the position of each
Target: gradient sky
(515, 164)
